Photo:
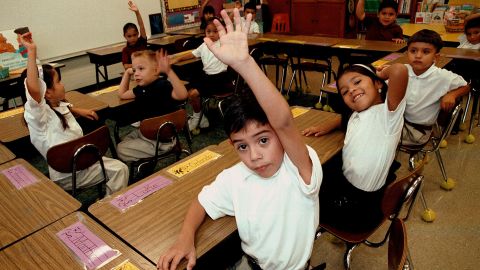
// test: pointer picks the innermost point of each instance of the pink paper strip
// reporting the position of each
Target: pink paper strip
(138, 193)
(392, 56)
(19, 176)
(88, 247)
(333, 85)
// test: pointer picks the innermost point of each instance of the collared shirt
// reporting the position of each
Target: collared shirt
(425, 91)
(377, 31)
(254, 28)
(465, 44)
(211, 64)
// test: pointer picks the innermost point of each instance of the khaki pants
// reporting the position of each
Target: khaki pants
(135, 146)
(413, 134)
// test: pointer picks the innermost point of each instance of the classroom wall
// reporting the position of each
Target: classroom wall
(67, 28)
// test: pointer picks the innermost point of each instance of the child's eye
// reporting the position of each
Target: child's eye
(241, 147)
(356, 82)
(263, 140)
(134, 69)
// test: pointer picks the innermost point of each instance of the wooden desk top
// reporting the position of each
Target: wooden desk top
(85, 101)
(5, 154)
(152, 225)
(44, 250)
(107, 50)
(411, 28)
(402, 59)
(369, 45)
(166, 40)
(110, 96)
(31, 208)
(317, 40)
(194, 31)
(458, 53)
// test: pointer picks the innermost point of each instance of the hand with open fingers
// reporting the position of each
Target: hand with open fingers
(316, 131)
(163, 61)
(180, 250)
(132, 6)
(398, 40)
(27, 41)
(233, 49)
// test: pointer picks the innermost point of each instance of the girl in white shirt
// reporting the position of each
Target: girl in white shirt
(51, 122)
(471, 38)
(354, 182)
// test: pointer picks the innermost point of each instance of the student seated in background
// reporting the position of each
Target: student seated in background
(429, 88)
(134, 41)
(471, 38)
(153, 96)
(273, 191)
(208, 12)
(215, 79)
(384, 26)
(251, 8)
(51, 121)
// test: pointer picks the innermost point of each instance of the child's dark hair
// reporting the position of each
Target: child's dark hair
(250, 5)
(475, 22)
(388, 4)
(239, 110)
(128, 26)
(208, 9)
(48, 74)
(427, 36)
(366, 70)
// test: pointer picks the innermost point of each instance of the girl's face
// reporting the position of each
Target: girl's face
(212, 32)
(131, 36)
(56, 93)
(358, 91)
(207, 16)
(387, 16)
(473, 35)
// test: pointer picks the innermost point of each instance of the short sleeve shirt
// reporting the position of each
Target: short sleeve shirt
(211, 64)
(155, 99)
(127, 51)
(376, 31)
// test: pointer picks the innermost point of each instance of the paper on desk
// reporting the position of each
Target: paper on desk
(332, 85)
(297, 111)
(380, 63)
(11, 112)
(267, 39)
(194, 163)
(19, 176)
(392, 56)
(138, 193)
(126, 265)
(106, 90)
(89, 248)
(346, 46)
(295, 41)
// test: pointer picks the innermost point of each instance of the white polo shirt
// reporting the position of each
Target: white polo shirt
(276, 217)
(254, 27)
(425, 91)
(465, 44)
(211, 64)
(370, 145)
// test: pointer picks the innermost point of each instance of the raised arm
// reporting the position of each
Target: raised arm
(179, 91)
(133, 7)
(124, 91)
(184, 247)
(33, 86)
(397, 76)
(183, 57)
(233, 51)
(360, 10)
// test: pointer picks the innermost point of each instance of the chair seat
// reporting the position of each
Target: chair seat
(354, 237)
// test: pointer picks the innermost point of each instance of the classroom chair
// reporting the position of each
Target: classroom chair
(164, 128)
(475, 93)
(398, 258)
(281, 23)
(79, 154)
(444, 126)
(273, 54)
(399, 195)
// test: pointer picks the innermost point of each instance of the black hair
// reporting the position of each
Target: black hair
(239, 110)
(48, 74)
(128, 26)
(388, 4)
(250, 5)
(208, 9)
(210, 21)
(475, 22)
(427, 36)
(344, 110)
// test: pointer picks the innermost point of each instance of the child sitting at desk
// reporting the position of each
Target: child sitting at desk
(51, 121)
(471, 38)
(355, 180)
(384, 26)
(215, 80)
(273, 191)
(134, 42)
(429, 88)
(251, 8)
(153, 96)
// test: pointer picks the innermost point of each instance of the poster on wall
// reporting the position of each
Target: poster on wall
(181, 14)
(13, 55)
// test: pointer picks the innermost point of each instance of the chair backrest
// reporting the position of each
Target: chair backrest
(163, 127)
(447, 121)
(281, 23)
(397, 245)
(60, 157)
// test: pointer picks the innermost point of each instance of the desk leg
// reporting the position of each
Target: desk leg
(97, 70)
(105, 73)
(475, 93)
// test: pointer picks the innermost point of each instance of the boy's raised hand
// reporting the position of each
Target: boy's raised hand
(132, 6)
(233, 49)
(163, 61)
(27, 41)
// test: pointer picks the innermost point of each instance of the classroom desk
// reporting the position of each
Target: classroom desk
(45, 250)
(167, 42)
(457, 53)
(110, 96)
(401, 58)
(31, 208)
(152, 225)
(411, 28)
(194, 31)
(5, 154)
(17, 128)
(104, 57)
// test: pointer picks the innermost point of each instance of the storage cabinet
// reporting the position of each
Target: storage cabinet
(325, 17)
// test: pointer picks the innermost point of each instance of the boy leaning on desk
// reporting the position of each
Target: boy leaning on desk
(273, 191)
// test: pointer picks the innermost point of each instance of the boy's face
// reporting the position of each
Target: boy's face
(387, 16)
(144, 70)
(421, 56)
(473, 35)
(250, 11)
(358, 91)
(131, 36)
(259, 148)
(212, 32)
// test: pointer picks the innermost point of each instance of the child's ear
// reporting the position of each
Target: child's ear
(437, 57)
(378, 85)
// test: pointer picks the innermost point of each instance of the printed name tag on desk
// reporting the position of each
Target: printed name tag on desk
(194, 163)
(19, 176)
(106, 90)
(297, 111)
(11, 112)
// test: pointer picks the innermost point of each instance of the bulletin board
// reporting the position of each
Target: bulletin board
(181, 14)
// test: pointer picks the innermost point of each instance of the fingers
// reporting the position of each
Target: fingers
(228, 23)
(175, 262)
(191, 262)
(237, 20)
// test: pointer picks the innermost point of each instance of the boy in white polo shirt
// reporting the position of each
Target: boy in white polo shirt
(429, 88)
(273, 191)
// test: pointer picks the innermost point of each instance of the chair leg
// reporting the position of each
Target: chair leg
(348, 255)
(441, 165)
(467, 105)
(284, 77)
(277, 71)
(474, 109)
(291, 81)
